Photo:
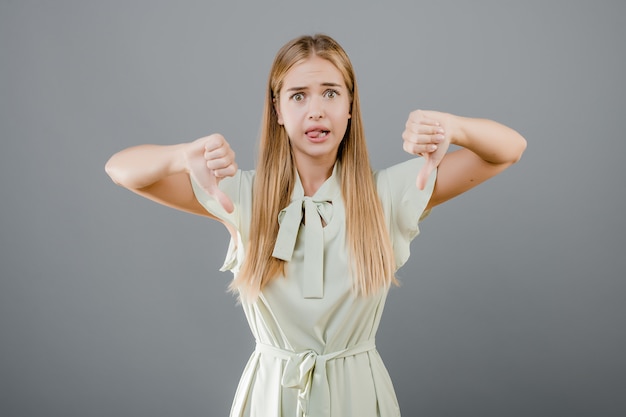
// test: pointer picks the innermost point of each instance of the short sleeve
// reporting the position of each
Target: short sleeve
(404, 204)
(239, 189)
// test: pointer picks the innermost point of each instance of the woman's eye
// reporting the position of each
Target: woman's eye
(297, 97)
(331, 93)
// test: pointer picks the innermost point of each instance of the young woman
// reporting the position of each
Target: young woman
(316, 235)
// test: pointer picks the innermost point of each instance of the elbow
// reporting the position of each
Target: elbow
(520, 148)
(114, 172)
(517, 146)
(510, 153)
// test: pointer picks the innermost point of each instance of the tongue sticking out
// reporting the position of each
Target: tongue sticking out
(317, 134)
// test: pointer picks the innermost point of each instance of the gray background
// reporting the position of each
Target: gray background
(512, 303)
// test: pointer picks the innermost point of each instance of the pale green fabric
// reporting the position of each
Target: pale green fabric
(315, 353)
(313, 210)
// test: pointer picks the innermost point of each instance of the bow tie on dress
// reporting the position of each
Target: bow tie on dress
(314, 209)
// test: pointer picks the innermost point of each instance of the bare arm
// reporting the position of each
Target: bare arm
(162, 173)
(488, 148)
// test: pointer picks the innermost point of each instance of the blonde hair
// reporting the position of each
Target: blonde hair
(368, 240)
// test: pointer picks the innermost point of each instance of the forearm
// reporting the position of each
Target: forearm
(491, 141)
(144, 165)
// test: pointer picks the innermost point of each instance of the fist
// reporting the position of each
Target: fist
(209, 159)
(425, 135)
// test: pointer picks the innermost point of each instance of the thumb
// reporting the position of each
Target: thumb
(424, 174)
(223, 199)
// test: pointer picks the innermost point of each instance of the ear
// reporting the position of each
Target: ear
(277, 110)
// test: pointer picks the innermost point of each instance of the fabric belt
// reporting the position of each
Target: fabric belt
(306, 372)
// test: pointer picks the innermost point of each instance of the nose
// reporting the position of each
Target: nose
(316, 108)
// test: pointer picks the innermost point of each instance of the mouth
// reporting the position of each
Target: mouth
(317, 133)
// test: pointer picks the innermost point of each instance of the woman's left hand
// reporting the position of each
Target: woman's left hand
(427, 134)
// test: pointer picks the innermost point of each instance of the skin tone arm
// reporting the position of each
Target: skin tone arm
(161, 173)
(487, 148)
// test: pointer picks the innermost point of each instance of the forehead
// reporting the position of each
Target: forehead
(311, 72)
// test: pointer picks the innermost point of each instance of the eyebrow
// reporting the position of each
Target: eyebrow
(328, 84)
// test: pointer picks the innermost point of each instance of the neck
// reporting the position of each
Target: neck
(313, 173)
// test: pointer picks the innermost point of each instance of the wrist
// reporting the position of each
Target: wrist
(454, 127)
(178, 162)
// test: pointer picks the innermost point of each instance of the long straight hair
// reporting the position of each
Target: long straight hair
(373, 264)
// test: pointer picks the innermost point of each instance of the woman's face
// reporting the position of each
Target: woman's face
(314, 107)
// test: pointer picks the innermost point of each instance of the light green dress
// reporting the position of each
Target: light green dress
(315, 354)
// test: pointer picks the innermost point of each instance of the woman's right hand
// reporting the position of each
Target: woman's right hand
(209, 159)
